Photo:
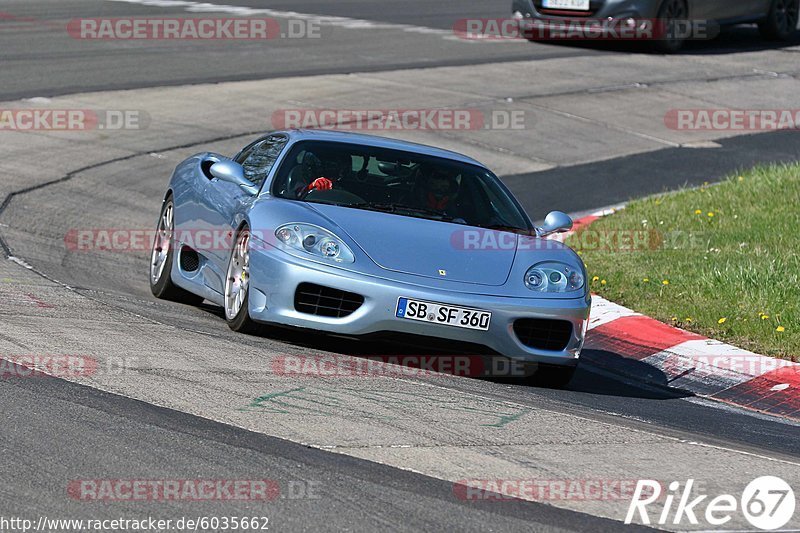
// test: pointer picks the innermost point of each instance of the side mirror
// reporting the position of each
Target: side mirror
(554, 222)
(232, 172)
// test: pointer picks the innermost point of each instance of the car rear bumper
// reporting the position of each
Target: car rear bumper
(276, 275)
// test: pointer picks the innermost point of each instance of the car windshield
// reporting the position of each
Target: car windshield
(397, 182)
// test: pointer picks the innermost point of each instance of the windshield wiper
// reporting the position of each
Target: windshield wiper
(393, 208)
(424, 211)
(506, 227)
(389, 208)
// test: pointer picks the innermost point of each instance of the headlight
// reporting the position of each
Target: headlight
(554, 277)
(315, 241)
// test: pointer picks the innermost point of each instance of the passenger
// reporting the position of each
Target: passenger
(440, 189)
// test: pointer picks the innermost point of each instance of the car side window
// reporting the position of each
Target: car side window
(259, 158)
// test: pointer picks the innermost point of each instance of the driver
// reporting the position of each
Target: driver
(322, 171)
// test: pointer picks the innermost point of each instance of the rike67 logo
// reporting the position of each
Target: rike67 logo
(767, 503)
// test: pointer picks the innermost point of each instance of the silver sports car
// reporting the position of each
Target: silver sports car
(355, 235)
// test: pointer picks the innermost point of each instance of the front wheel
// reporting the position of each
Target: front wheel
(781, 21)
(237, 286)
(161, 258)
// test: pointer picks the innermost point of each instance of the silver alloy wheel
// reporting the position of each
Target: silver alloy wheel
(161, 244)
(238, 277)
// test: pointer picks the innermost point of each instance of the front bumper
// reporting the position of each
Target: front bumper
(275, 275)
(600, 9)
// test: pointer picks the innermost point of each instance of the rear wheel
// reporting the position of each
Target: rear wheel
(237, 286)
(161, 258)
(781, 21)
(670, 15)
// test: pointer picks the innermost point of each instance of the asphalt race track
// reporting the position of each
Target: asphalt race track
(177, 395)
(38, 49)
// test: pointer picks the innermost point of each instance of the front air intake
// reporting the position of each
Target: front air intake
(317, 300)
(543, 334)
(190, 261)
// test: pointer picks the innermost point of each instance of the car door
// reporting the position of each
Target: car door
(721, 9)
(225, 202)
(705, 9)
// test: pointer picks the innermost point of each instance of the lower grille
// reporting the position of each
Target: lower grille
(543, 334)
(324, 301)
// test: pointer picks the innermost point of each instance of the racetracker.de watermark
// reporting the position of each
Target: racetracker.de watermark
(32, 366)
(189, 490)
(39, 119)
(69, 366)
(637, 240)
(544, 489)
(726, 364)
(191, 29)
(400, 119)
(732, 119)
(424, 366)
(583, 29)
(133, 240)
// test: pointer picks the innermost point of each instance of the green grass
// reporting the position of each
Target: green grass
(722, 260)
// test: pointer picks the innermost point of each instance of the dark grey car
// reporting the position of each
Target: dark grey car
(777, 19)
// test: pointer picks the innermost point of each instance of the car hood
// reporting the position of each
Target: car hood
(428, 248)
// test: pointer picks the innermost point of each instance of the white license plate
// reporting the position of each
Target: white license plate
(448, 315)
(577, 5)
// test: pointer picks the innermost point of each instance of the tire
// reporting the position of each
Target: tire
(161, 257)
(781, 21)
(237, 286)
(552, 377)
(670, 11)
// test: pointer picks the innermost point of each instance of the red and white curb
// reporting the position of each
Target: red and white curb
(643, 348)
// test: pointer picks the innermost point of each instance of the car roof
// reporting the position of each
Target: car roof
(379, 142)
